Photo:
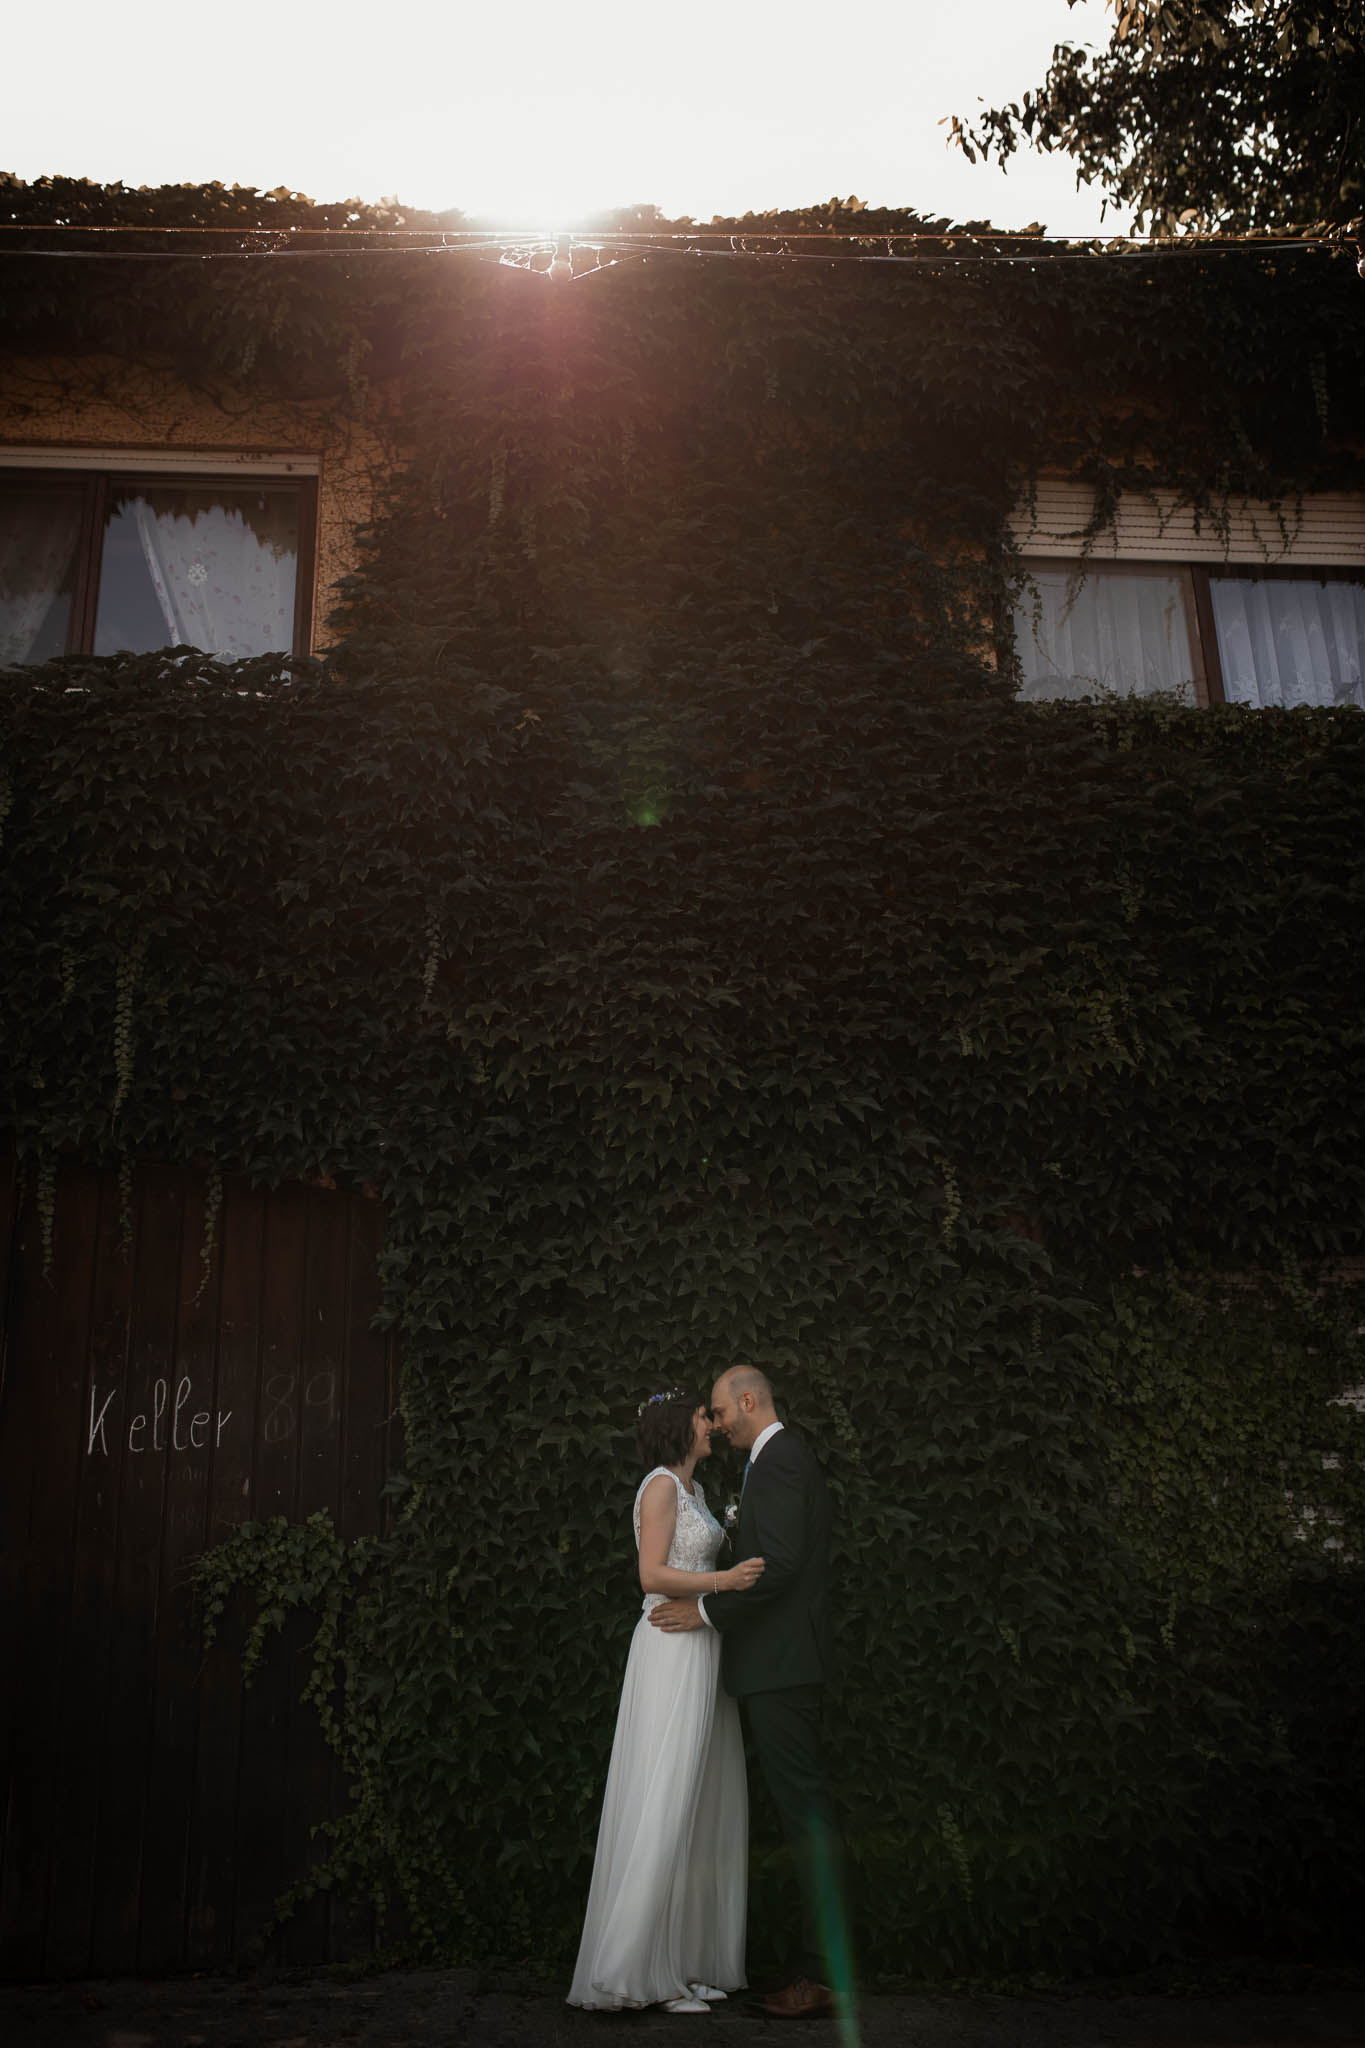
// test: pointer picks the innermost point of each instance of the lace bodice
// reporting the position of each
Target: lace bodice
(697, 1535)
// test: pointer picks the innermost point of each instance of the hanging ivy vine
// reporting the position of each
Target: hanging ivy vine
(661, 901)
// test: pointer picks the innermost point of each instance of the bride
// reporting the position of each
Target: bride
(665, 1918)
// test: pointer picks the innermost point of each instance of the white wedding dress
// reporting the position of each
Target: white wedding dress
(667, 1905)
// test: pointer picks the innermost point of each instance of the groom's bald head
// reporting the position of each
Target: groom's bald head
(747, 1379)
(742, 1404)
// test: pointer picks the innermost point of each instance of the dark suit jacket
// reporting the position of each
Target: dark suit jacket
(778, 1633)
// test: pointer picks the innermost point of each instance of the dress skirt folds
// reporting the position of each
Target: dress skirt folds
(667, 1903)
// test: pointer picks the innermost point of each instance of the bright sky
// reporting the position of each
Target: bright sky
(543, 111)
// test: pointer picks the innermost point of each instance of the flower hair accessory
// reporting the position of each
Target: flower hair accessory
(670, 1394)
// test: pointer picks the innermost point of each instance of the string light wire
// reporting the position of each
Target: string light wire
(507, 233)
(554, 253)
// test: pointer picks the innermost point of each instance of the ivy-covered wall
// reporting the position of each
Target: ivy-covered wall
(662, 902)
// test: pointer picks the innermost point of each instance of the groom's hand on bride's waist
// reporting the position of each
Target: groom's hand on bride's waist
(673, 1615)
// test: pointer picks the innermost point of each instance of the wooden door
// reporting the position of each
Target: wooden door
(149, 1403)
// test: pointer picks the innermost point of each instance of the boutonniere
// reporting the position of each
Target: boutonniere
(731, 1520)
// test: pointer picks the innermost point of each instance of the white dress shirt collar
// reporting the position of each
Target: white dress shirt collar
(761, 1439)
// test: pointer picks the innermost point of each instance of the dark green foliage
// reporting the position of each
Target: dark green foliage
(661, 902)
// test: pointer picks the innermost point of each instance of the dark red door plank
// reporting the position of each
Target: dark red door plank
(371, 1402)
(212, 1880)
(59, 1309)
(20, 1390)
(9, 1203)
(322, 1395)
(148, 1420)
(323, 1360)
(86, 1691)
(266, 1710)
(371, 1397)
(195, 1419)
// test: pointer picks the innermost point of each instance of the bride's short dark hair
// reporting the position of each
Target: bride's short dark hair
(663, 1434)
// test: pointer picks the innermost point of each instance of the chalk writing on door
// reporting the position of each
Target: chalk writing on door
(170, 1422)
(319, 1393)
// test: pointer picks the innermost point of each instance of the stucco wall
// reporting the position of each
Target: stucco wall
(105, 404)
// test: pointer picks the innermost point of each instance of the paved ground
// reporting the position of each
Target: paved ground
(452, 2009)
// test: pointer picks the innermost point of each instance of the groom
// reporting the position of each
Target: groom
(776, 1656)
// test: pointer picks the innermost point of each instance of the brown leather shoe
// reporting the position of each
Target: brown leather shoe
(799, 2001)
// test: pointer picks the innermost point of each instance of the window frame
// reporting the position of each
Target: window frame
(98, 480)
(1251, 572)
(1208, 688)
(1081, 566)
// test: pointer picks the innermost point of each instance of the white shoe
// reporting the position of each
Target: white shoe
(685, 2005)
(709, 1992)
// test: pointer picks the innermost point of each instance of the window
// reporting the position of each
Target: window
(102, 560)
(1273, 613)
(1286, 639)
(1130, 630)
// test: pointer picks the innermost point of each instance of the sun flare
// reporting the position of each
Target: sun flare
(535, 164)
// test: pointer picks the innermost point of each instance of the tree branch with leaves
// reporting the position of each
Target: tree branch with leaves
(1242, 115)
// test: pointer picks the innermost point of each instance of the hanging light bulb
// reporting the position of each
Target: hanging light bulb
(562, 266)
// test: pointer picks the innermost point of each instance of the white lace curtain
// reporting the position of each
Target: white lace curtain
(1285, 642)
(222, 567)
(1281, 640)
(1126, 631)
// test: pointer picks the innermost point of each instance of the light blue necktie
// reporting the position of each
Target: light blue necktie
(748, 1468)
